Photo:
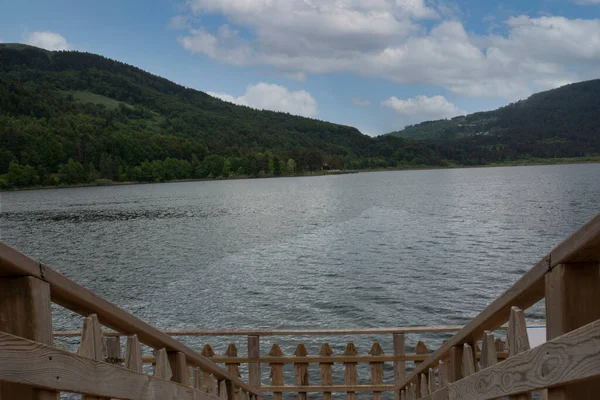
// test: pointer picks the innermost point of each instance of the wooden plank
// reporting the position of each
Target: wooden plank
(82, 301)
(350, 372)
(376, 369)
(254, 367)
(179, 367)
(301, 371)
(573, 357)
(431, 380)
(324, 359)
(420, 349)
(468, 360)
(455, 364)
(399, 366)
(133, 354)
(162, 368)
(210, 383)
(26, 362)
(441, 394)
(113, 349)
(321, 389)
(233, 367)
(488, 350)
(573, 298)
(91, 342)
(223, 391)
(423, 385)
(197, 377)
(276, 370)
(518, 340)
(442, 374)
(581, 246)
(326, 370)
(25, 311)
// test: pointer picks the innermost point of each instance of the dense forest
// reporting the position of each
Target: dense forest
(69, 117)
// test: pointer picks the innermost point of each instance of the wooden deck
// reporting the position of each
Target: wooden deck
(489, 358)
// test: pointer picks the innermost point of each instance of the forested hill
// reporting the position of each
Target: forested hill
(569, 114)
(70, 117)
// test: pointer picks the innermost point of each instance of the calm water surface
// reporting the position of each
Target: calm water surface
(348, 251)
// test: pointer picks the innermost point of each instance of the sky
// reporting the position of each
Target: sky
(378, 65)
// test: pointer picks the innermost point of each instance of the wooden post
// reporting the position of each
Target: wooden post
(223, 395)
(518, 341)
(420, 348)
(423, 386)
(254, 367)
(179, 367)
(455, 364)
(198, 379)
(399, 366)
(210, 383)
(572, 300)
(376, 369)
(301, 370)
(431, 380)
(350, 373)
(25, 311)
(488, 351)
(113, 349)
(233, 368)
(276, 370)
(91, 343)
(162, 368)
(326, 370)
(133, 354)
(442, 374)
(468, 363)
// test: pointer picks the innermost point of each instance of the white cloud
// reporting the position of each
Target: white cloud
(47, 40)
(423, 107)
(357, 101)
(386, 39)
(267, 96)
(179, 23)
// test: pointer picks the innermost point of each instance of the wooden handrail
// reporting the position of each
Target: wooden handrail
(27, 362)
(82, 301)
(581, 246)
(294, 332)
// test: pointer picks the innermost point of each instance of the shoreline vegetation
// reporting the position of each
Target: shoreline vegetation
(516, 163)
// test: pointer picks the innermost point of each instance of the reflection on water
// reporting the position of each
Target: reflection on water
(346, 251)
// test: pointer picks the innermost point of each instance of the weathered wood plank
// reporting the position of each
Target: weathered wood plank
(210, 382)
(35, 364)
(488, 350)
(399, 366)
(197, 376)
(25, 311)
(179, 367)
(423, 386)
(573, 357)
(113, 349)
(162, 368)
(455, 364)
(301, 371)
(518, 340)
(254, 367)
(376, 369)
(133, 354)
(468, 360)
(276, 370)
(91, 342)
(573, 298)
(442, 374)
(350, 372)
(333, 388)
(431, 381)
(233, 367)
(326, 370)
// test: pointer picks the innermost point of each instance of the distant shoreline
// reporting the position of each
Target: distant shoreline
(519, 163)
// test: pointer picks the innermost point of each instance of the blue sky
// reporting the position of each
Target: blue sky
(374, 64)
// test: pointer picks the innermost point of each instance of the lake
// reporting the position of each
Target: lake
(345, 251)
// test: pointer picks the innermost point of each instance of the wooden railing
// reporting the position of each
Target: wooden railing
(325, 379)
(567, 366)
(32, 368)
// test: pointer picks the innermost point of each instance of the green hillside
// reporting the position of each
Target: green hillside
(568, 115)
(70, 117)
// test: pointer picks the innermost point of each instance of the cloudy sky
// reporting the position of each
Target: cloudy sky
(374, 64)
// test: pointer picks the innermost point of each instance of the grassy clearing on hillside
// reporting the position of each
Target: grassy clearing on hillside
(89, 97)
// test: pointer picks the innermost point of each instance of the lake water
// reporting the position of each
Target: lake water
(346, 251)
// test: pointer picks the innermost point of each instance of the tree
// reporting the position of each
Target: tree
(72, 172)
(291, 166)
(21, 175)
